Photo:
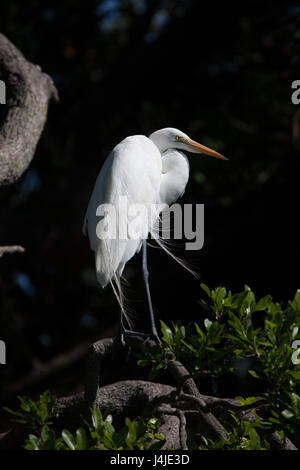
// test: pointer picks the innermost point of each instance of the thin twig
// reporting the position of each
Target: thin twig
(11, 249)
(234, 404)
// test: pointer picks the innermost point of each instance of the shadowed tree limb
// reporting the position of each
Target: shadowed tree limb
(182, 423)
(11, 249)
(103, 348)
(29, 91)
(132, 397)
(170, 401)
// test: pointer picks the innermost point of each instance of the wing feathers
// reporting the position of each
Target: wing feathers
(131, 171)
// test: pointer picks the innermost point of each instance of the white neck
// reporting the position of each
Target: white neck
(175, 175)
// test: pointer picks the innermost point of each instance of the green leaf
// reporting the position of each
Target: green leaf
(32, 443)
(295, 374)
(190, 347)
(263, 303)
(253, 373)
(155, 370)
(237, 325)
(296, 301)
(206, 289)
(200, 332)
(131, 433)
(15, 413)
(167, 334)
(254, 438)
(81, 440)
(246, 401)
(287, 413)
(96, 418)
(68, 438)
(45, 433)
(144, 362)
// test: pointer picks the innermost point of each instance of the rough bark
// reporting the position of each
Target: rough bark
(183, 410)
(184, 400)
(29, 91)
(11, 250)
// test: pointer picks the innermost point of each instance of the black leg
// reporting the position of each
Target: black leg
(122, 329)
(146, 279)
(124, 332)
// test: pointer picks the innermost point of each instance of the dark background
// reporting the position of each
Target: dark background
(221, 74)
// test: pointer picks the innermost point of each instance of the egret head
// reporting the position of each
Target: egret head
(169, 137)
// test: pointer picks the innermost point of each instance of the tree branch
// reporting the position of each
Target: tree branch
(105, 347)
(29, 92)
(11, 249)
(132, 397)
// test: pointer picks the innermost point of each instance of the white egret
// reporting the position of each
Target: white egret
(145, 170)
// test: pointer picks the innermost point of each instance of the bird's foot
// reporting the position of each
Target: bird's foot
(124, 334)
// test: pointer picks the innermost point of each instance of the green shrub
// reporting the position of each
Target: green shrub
(231, 327)
(239, 327)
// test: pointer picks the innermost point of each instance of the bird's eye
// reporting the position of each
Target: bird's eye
(179, 138)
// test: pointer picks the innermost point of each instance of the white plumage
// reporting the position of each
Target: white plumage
(132, 170)
(146, 170)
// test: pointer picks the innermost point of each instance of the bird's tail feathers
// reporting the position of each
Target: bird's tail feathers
(118, 290)
(107, 274)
